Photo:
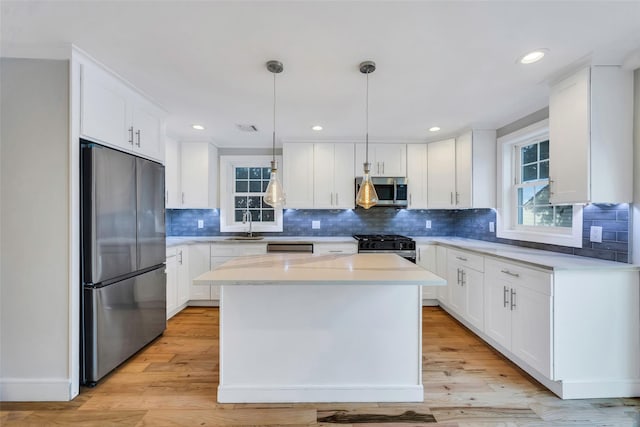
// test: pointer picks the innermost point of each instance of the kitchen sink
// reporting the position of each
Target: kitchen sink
(245, 238)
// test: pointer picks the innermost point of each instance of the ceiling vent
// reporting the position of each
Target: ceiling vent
(247, 128)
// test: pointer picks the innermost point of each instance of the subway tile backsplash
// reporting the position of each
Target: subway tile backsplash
(470, 223)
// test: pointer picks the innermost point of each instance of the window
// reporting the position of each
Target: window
(524, 209)
(243, 180)
(532, 188)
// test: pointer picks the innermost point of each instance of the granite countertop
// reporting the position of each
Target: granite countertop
(534, 257)
(321, 269)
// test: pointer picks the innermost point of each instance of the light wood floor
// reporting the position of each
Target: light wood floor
(173, 381)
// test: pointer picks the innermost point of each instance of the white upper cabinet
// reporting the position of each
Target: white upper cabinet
(172, 174)
(417, 176)
(198, 175)
(114, 114)
(461, 172)
(297, 175)
(386, 159)
(441, 174)
(591, 137)
(333, 176)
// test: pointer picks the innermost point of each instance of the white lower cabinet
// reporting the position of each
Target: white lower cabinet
(426, 257)
(335, 248)
(198, 264)
(518, 304)
(223, 252)
(465, 275)
(177, 269)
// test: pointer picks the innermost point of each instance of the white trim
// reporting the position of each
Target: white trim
(320, 393)
(36, 390)
(505, 225)
(227, 163)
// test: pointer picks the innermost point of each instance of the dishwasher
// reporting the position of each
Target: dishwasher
(290, 247)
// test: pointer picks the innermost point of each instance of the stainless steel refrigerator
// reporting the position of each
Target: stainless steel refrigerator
(123, 293)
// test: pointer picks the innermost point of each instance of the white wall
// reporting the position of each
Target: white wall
(34, 267)
(636, 176)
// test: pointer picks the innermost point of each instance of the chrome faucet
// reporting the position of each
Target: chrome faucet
(246, 216)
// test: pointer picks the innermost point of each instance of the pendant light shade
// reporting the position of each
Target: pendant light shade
(274, 194)
(367, 195)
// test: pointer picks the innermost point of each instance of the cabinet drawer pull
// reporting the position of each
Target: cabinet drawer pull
(513, 299)
(461, 258)
(505, 296)
(510, 273)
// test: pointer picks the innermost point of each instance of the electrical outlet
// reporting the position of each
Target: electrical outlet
(596, 234)
(492, 226)
(315, 225)
(428, 223)
(200, 223)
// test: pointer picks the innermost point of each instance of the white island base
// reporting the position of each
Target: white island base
(309, 333)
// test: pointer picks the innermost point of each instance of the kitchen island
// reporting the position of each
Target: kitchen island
(320, 328)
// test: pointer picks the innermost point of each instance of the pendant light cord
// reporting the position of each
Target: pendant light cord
(274, 117)
(367, 124)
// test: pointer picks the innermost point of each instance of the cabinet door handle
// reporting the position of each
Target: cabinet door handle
(410, 199)
(336, 252)
(138, 134)
(464, 281)
(419, 255)
(505, 296)
(382, 168)
(513, 298)
(457, 198)
(451, 198)
(378, 165)
(458, 275)
(510, 273)
(180, 260)
(331, 199)
(461, 258)
(337, 200)
(183, 197)
(131, 135)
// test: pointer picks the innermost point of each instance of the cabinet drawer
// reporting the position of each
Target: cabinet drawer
(468, 259)
(519, 274)
(335, 248)
(238, 249)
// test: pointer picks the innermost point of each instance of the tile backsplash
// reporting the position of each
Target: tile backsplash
(470, 223)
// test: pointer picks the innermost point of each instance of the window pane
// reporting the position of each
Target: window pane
(242, 186)
(525, 196)
(255, 186)
(238, 214)
(526, 216)
(544, 150)
(265, 184)
(530, 172)
(268, 215)
(544, 215)
(255, 201)
(544, 170)
(255, 173)
(255, 215)
(563, 216)
(542, 195)
(266, 173)
(242, 173)
(240, 202)
(529, 153)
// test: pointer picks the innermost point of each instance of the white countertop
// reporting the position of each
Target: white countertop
(188, 240)
(534, 257)
(315, 269)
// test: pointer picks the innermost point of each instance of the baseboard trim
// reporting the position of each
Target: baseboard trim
(35, 390)
(311, 393)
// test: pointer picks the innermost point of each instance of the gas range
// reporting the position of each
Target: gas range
(387, 243)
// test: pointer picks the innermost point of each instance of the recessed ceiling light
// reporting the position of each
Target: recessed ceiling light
(534, 56)
(316, 127)
(198, 127)
(434, 129)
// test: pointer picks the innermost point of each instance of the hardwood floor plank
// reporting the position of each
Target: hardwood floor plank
(231, 417)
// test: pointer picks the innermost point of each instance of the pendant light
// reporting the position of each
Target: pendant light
(367, 195)
(274, 194)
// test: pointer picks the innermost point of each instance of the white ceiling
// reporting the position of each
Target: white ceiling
(450, 63)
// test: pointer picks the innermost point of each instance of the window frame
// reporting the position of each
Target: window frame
(227, 193)
(507, 200)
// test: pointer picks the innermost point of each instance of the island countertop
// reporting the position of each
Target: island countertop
(353, 269)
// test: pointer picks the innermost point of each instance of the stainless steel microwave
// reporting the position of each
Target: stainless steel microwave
(391, 191)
